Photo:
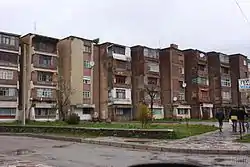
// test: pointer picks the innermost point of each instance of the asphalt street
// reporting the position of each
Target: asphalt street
(24, 151)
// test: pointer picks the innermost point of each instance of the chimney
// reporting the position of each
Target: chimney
(174, 46)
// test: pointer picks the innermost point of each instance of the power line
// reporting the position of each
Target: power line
(242, 12)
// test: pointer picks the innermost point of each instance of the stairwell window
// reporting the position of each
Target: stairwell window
(86, 64)
(86, 94)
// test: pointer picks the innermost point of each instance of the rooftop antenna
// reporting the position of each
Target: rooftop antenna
(34, 27)
(159, 44)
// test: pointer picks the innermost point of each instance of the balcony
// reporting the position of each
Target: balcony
(126, 101)
(204, 99)
(8, 98)
(202, 73)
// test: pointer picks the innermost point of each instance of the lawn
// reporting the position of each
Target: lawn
(245, 139)
(182, 130)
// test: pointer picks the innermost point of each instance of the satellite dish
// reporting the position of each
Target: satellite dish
(96, 41)
(202, 55)
(175, 99)
(91, 63)
(184, 84)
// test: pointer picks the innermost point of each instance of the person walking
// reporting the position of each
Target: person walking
(241, 117)
(234, 118)
(220, 116)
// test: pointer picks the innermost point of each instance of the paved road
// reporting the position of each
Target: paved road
(65, 154)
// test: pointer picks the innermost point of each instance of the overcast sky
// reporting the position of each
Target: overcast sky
(201, 24)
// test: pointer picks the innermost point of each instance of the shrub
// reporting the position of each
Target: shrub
(144, 115)
(73, 119)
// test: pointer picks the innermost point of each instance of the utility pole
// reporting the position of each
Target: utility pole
(24, 82)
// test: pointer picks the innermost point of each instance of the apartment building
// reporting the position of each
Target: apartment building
(146, 80)
(197, 79)
(9, 71)
(38, 76)
(76, 66)
(220, 81)
(239, 70)
(173, 83)
(114, 65)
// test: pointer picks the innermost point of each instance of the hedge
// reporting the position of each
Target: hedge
(137, 133)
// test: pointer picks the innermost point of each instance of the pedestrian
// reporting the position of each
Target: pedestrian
(234, 118)
(220, 116)
(241, 117)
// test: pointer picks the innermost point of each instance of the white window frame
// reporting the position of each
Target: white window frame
(226, 82)
(120, 91)
(86, 94)
(226, 95)
(44, 93)
(6, 74)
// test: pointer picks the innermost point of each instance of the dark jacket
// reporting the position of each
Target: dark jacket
(241, 114)
(220, 115)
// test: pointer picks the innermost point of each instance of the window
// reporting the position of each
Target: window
(86, 64)
(152, 53)
(224, 70)
(45, 112)
(86, 80)
(12, 41)
(86, 111)
(181, 96)
(226, 82)
(224, 58)
(121, 64)
(119, 111)
(120, 79)
(6, 39)
(6, 74)
(202, 81)
(204, 94)
(181, 62)
(246, 74)
(7, 92)
(86, 94)
(181, 70)
(47, 93)
(45, 60)
(154, 67)
(120, 94)
(119, 50)
(45, 76)
(244, 62)
(152, 81)
(226, 95)
(182, 111)
(201, 67)
(7, 111)
(86, 48)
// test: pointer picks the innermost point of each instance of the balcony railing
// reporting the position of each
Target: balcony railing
(120, 101)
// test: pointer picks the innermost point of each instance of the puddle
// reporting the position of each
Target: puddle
(20, 152)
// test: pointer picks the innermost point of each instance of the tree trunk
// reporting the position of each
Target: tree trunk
(151, 108)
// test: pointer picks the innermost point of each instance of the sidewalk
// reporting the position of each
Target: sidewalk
(209, 143)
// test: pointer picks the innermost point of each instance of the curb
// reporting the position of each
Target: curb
(131, 145)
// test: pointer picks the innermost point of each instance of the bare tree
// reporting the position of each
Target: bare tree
(152, 92)
(63, 95)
